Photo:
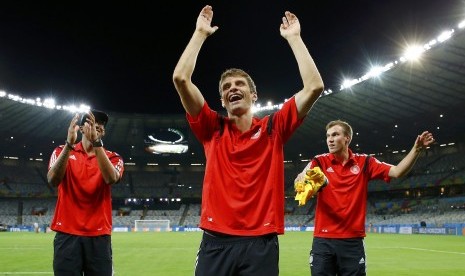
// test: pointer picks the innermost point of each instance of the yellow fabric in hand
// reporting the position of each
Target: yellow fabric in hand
(313, 181)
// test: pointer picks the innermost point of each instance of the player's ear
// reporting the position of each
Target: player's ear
(348, 139)
(254, 97)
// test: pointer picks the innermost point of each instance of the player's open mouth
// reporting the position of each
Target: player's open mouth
(235, 98)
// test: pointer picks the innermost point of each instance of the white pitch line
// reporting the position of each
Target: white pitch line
(432, 250)
(25, 273)
(21, 248)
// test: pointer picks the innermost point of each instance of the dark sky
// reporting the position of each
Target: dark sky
(120, 57)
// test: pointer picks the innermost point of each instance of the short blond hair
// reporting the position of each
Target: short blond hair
(345, 127)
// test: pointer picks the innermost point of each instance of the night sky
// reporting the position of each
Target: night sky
(120, 57)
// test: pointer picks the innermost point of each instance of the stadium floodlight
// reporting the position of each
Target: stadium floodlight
(445, 35)
(413, 52)
(461, 25)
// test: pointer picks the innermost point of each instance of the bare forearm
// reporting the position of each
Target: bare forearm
(312, 82)
(109, 173)
(57, 171)
(423, 141)
(406, 164)
(186, 64)
(307, 67)
(191, 98)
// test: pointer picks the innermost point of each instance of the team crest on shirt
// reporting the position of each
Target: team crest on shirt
(355, 169)
(256, 134)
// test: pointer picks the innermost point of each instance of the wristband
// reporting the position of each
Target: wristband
(97, 143)
(68, 144)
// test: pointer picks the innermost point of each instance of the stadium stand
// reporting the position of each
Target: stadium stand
(431, 193)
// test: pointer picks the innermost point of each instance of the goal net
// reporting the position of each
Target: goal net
(156, 225)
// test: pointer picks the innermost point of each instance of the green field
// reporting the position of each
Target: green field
(173, 253)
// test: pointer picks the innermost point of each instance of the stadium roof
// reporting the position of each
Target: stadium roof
(386, 113)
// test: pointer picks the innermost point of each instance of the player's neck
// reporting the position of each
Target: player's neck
(342, 156)
(243, 122)
(87, 146)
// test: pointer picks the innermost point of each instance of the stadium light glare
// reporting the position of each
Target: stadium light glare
(31, 102)
(461, 25)
(375, 72)
(445, 35)
(49, 103)
(166, 148)
(431, 43)
(411, 54)
(349, 83)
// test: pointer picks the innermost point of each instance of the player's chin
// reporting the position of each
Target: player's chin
(237, 109)
(332, 150)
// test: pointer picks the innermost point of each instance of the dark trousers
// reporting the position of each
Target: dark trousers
(78, 255)
(221, 255)
(341, 257)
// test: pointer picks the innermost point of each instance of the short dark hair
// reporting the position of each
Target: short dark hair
(234, 72)
(100, 117)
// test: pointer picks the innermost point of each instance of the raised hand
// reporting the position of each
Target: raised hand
(72, 130)
(424, 140)
(204, 21)
(290, 26)
(89, 128)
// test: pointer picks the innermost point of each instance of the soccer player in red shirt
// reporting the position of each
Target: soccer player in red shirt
(338, 243)
(84, 173)
(243, 190)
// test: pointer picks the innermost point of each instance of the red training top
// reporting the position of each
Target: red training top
(341, 205)
(243, 188)
(84, 199)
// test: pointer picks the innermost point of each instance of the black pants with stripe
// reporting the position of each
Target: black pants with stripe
(221, 255)
(342, 257)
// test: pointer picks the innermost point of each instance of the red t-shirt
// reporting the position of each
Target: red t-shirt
(341, 205)
(243, 188)
(84, 199)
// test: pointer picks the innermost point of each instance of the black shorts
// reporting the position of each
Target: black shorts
(74, 255)
(221, 255)
(338, 257)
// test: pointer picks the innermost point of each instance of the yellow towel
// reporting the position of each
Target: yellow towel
(313, 181)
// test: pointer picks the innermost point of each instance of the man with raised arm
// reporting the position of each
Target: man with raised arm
(242, 210)
(338, 246)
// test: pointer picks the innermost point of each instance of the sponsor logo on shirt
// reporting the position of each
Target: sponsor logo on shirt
(72, 157)
(355, 169)
(330, 169)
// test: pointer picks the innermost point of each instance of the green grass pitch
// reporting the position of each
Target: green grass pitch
(173, 253)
